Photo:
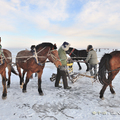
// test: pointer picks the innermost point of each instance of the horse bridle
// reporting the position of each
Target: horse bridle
(52, 56)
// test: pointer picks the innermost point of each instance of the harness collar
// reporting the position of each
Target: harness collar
(71, 52)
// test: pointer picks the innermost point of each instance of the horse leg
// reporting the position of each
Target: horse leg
(39, 83)
(22, 79)
(79, 65)
(4, 95)
(9, 75)
(111, 76)
(87, 66)
(102, 91)
(23, 74)
(111, 89)
(29, 73)
(20, 76)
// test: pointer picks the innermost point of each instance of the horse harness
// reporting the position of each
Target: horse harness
(35, 55)
(53, 56)
(71, 52)
(2, 57)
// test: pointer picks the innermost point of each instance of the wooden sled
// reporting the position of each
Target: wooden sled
(73, 76)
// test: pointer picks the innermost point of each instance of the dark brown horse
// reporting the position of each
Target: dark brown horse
(78, 55)
(5, 61)
(27, 62)
(109, 66)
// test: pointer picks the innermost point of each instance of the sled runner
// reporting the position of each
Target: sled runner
(73, 76)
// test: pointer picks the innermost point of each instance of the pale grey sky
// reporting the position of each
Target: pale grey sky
(79, 22)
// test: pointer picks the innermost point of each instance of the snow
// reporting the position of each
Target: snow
(81, 102)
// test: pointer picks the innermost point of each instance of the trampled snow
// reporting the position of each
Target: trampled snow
(81, 102)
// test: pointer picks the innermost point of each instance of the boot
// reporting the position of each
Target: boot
(68, 87)
(58, 86)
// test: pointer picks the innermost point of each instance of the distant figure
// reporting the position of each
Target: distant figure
(92, 60)
(61, 71)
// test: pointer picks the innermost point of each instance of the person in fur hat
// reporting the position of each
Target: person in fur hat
(92, 60)
(61, 71)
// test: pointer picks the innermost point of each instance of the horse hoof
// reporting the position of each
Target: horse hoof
(41, 94)
(102, 98)
(4, 97)
(8, 86)
(24, 91)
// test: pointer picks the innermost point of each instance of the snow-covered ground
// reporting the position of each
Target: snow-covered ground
(81, 102)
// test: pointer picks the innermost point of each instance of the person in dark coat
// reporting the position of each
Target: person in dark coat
(61, 71)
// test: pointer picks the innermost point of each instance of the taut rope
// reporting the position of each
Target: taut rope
(36, 53)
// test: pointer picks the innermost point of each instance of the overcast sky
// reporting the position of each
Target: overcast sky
(79, 22)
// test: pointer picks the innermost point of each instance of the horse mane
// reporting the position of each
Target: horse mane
(103, 66)
(76, 49)
(46, 44)
(73, 48)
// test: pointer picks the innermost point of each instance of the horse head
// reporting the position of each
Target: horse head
(54, 57)
(50, 52)
(70, 51)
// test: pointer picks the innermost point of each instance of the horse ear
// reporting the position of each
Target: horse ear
(32, 47)
(55, 46)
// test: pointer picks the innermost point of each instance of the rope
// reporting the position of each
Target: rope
(112, 70)
(49, 53)
(53, 57)
(33, 56)
(38, 56)
(3, 56)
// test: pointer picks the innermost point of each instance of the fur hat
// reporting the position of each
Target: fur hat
(65, 46)
(89, 47)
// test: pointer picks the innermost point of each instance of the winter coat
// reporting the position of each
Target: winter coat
(62, 56)
(92, 57)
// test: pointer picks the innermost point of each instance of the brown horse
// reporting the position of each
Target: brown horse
(27, 62)
(9, 66)
(5, 60)
(109, 66)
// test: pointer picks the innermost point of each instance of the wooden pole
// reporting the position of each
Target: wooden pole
(86, 75)
(78, 61)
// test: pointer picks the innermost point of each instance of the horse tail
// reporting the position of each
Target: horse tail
(13, 70)
(103, 66)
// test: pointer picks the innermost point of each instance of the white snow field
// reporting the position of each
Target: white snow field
(81, 102)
